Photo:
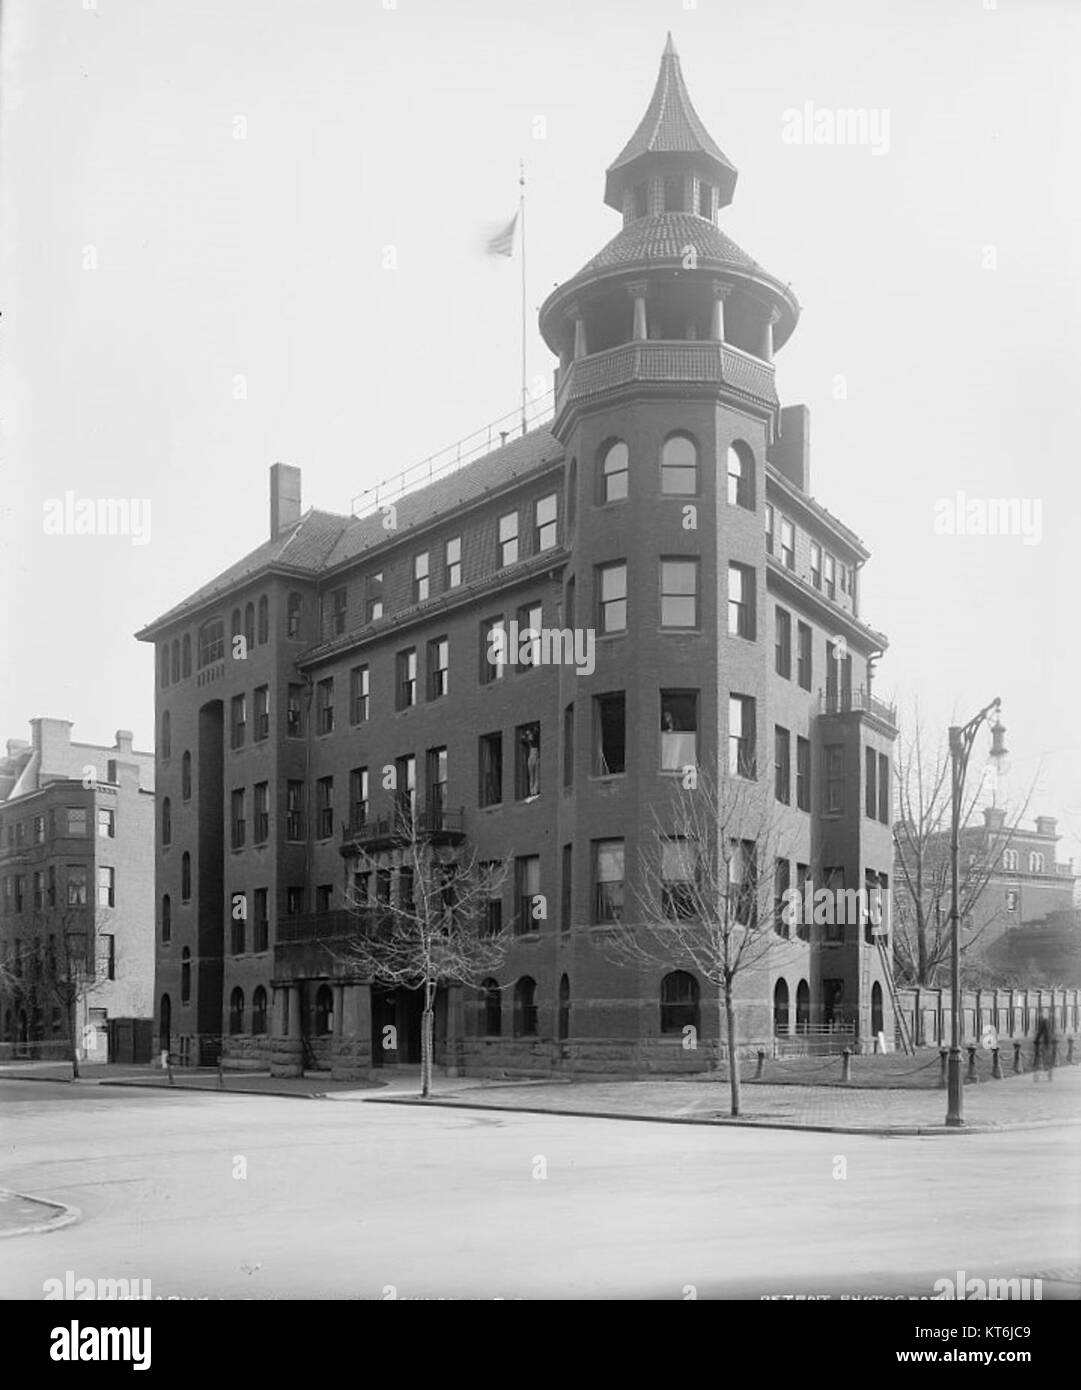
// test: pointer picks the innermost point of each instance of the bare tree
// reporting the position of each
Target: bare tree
(708, 894)
(921, 835)
(433, 931)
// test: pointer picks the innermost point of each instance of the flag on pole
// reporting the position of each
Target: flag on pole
(502, 244)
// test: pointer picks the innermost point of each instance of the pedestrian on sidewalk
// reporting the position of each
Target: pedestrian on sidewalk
(1042, 1047)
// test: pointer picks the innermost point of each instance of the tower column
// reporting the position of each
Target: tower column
(637, 291)
(721, 291)
(574, 313)
(767, 334)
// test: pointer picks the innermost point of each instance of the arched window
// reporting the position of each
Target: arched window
(615, 462)
(234, 625)
(740, 476)
(1009, 859)
(780, 1008)
(185, 658)
(236, 1011)
(491, 1015)
(185, 776)
(571, 508)
(803, 1007)
(264, 619)
(679, 1002)
(679, 467)
(292, 617)
(1035, 863)
(164, 665)
(258, 1010)
(564, 1008)
(185, 976)
(185, 877)
(249, 625)
(166, 735)
(165, 1023)
(166, 822)
(176, 659)
(876, 1008)
(211, 642)
(525, 1008)
(166, 918)
(324, 1011)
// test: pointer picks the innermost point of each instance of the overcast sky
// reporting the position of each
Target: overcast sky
(198, 201)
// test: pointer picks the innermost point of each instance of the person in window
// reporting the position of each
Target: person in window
(532, 764)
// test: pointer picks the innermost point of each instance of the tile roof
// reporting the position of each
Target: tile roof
(667, 236)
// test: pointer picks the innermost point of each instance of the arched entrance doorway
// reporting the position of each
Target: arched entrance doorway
(780, 1008)
(165, 1026)
(803, 1007)
(877, 1024)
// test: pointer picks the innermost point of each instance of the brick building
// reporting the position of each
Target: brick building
(76, 885)
(666, 510)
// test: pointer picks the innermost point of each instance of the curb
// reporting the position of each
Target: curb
(64, 1215)
(881, 1131)
(216, 1090)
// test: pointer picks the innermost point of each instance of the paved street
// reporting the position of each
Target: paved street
(343, 1198)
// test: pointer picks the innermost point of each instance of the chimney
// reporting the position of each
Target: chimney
(284, 498)
(790, 453)
(123, 740)
(1046, 825)
(994, 817)
(17, 745)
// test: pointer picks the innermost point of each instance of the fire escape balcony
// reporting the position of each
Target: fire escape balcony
(432, 824)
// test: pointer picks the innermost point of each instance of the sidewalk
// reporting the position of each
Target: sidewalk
(20, 1216)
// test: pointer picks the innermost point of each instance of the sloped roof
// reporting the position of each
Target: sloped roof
(667, 237)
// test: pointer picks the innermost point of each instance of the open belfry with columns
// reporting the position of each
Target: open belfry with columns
(734, 644)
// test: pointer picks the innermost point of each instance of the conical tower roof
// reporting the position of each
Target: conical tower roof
(671, 126)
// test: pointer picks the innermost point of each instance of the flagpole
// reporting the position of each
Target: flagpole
(521, 213)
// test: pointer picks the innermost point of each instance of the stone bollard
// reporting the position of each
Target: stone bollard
(971, 1076)
(1018, 1061)
(996, 1065)
(943, 1057)
(761, 1065)
(846, 1065)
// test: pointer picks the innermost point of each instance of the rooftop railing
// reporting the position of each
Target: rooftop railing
(843, 701)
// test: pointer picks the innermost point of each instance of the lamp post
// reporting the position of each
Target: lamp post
(961, 740)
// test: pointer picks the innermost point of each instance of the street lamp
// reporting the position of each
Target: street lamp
(961, 741)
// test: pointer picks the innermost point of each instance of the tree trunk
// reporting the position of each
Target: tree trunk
(73, 1040)
(426, 1035)
(733, 1058)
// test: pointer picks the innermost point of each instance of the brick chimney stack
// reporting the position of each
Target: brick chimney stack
(284, 498)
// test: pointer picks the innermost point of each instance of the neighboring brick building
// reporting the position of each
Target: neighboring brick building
(666, 508)
(76, 882)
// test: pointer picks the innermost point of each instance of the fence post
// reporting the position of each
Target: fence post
(972, 1064)
(943, 1056)
(1069, 1052)
(996, 1065)
(1018, 1061)
(846, 1064)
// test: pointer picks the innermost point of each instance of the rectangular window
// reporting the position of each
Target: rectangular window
(359, 695)
(611, 589)
(566, 888)
(829, 569)
(239, 821)
(358, 798)
(294, 811)
(803, 924)
(261, 921)
(261, 812)
(782, 764)
(527, 762)
(743, 882)
(788, 544)
(546, 523)
(610, 734)
(614, 472)
(421, 578)
(294, 901)
(508, 539)
(211, 642)
(453, 562)
(18, 883)
(742, 737)
(50, 892)
(530, 620)
(438, 667)
(526, 892)
(108, 952)
(568, 746)
(405, 795)
(39, 890)
(261, 711)
(490, 878)
(769, 528)
(835, 777)
(375, 609)
(294, 712)
(883, 788)
(782, 873)
(493, 650)
(679, 468)
(39, 830)
(741, 614)
(238, 719)
(106, 825)
(871, 784)
(406, 685)
(76, 820)
(679, 878)
(804, 671)
(803, 774)
(782, 656)
(491, 770)
(340, 605)
(816, 564)
(679, 730)
(436, 775)
(237, 932)
(324, 808)
(679, 593)
(607, 880)
(324, 705)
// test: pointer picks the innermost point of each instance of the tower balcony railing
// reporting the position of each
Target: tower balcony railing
(844, 701)
(659, 360)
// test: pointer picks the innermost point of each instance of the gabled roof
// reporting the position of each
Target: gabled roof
(671, 125)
